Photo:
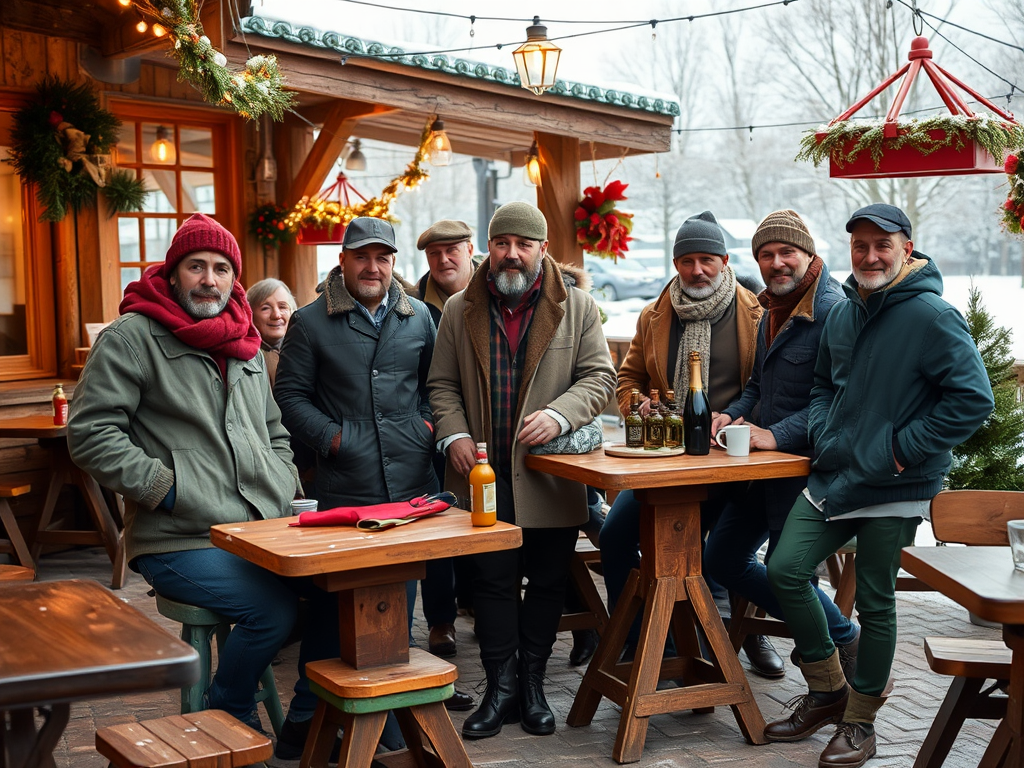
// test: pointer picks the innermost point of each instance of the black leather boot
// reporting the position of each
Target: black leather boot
(536, 714)
(500, 704)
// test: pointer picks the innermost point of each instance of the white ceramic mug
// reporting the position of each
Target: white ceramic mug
(735, 438)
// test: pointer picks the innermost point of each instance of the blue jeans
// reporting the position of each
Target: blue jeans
(620, 549)
(263, 607)
(731, 559)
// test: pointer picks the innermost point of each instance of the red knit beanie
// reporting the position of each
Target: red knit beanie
(201, 233)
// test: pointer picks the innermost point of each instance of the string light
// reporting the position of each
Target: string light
(141, 27)
(439, 148)
(158, 30)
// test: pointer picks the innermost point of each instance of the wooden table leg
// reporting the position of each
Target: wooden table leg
(671, 591)
(57, 480)
(1013, 636)
(26, 747)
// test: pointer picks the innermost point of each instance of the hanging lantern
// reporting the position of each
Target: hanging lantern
(356, 160)
(162, 150)
(439, 149)
(323, 220)
(537, 59)
(531, 169)
(942, 145)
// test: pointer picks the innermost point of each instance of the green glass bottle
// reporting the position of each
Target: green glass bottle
(654, 425)
(634, 422)
(673, 422)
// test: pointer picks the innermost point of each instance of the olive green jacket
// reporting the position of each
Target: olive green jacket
(150, 412)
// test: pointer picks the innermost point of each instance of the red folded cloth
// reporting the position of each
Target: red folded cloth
(376, 517)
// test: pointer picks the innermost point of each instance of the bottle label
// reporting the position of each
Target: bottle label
(60, 412)
(635, 435)
(656, 434)
(490, 499)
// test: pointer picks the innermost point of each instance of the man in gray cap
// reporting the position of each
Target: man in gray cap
(352, 385)
(448, 246)
(705, 309)
(898, 382)
(520, 359)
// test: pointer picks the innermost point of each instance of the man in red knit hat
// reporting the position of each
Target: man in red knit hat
(174, 411)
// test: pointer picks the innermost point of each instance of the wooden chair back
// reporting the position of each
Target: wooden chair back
(976, 518)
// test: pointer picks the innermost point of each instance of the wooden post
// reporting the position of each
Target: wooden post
(297, 263)
(559, 193)
(65, 278)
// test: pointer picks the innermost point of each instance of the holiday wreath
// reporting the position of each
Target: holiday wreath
(601, 228)
(1013, 208)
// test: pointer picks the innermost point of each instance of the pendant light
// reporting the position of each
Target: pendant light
(439, 149)
(531, 169)
(162, 150)
(356, 160)
(537, 59)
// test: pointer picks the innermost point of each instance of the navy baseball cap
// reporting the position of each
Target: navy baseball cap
(888, 217)
(366, 230)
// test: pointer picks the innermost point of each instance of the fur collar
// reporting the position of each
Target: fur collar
(339, 300)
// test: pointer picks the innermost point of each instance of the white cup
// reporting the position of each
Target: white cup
(735, 438)
(1015, 530)
(303, 505)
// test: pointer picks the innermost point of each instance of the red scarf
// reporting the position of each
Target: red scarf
(229, 334)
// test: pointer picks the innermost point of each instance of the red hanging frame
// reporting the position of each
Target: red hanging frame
(326, 234)
(907, 161)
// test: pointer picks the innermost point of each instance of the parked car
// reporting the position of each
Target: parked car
(624, 279)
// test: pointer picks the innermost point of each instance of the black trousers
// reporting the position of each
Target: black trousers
(505, 622)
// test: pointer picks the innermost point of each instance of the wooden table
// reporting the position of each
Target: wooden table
(984, 581)
(368, 570)
(670, 591)
(64, 641)
(63, 471)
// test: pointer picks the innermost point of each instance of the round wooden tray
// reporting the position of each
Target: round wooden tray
(620, 449)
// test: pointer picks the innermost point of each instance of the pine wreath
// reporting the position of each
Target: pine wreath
(50, 134)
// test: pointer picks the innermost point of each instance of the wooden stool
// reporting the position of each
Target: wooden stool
(14, 544)
(970, 662)
(195, 740)
(358, 701)
(198, 628)
(16, 573)
(595, 615)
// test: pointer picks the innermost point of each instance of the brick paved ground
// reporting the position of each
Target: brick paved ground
(694, 741)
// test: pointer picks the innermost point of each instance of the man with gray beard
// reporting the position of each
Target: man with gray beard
(520, 359)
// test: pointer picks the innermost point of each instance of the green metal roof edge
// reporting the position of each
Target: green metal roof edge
(343, 44)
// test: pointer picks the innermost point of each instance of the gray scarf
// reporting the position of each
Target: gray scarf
(698, 315)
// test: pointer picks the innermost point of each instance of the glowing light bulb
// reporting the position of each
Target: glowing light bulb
(531, 169)
(159, 30)
(141, 27)
(439, 149)
(162, 150)
(124, 3)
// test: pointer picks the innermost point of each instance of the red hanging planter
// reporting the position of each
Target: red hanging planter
(322, 221)
(945, 145)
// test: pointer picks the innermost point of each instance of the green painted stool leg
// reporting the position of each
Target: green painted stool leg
(271, 701)
(198, 636)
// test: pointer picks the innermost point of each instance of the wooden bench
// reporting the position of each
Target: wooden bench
(970, 662)
(14, 544)
(197, 740)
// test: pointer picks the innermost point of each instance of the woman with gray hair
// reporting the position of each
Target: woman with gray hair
(272, 306)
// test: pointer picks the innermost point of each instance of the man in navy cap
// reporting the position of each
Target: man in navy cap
(898, 383)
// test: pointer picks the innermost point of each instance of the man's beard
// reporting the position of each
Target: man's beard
(364, 291)
(873, 281)
(784, 290)
(703, 290)
(201, 310)
(513, 282)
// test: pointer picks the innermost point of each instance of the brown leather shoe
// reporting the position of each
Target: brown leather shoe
(810, 713)
(851, 747)
(442, 641)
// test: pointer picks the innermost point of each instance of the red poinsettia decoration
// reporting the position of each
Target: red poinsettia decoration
(1013, 208)
(601, 228)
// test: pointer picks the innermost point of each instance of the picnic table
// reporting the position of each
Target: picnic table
(66, 641)
(670, 591)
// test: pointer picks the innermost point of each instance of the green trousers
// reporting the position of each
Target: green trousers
(807, 539)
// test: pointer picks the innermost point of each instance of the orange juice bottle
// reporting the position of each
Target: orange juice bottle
(483, 499)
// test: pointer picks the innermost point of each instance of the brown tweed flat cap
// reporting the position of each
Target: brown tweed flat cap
(445, 231)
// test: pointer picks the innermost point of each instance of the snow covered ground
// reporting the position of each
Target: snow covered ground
(1002, 296)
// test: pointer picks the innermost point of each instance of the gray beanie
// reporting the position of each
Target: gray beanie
(520, 219)
(699, 234)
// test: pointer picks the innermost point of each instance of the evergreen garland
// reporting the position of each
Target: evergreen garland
(255, 89)
(124, 193)
(995, 136)
(992, 458)
(39, 150)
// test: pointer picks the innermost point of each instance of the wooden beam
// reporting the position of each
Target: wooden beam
(69, 21)
(297, 263)
(559, 194)
(474, 101)
(336, 129)
(410, 137)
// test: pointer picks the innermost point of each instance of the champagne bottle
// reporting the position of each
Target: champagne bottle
(634, 422)
(673, 422)
(654, 425)
(483, 499)
(697, 413)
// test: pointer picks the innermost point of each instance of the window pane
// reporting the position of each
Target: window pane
(160, 192)
(13, 328)
(125, 152)
(159, 146)
(196, 147)
(158, 237)
(197, 193)
(128, 239)
(129, 274)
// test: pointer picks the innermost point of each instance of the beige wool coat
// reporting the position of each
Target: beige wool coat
(567, 368)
